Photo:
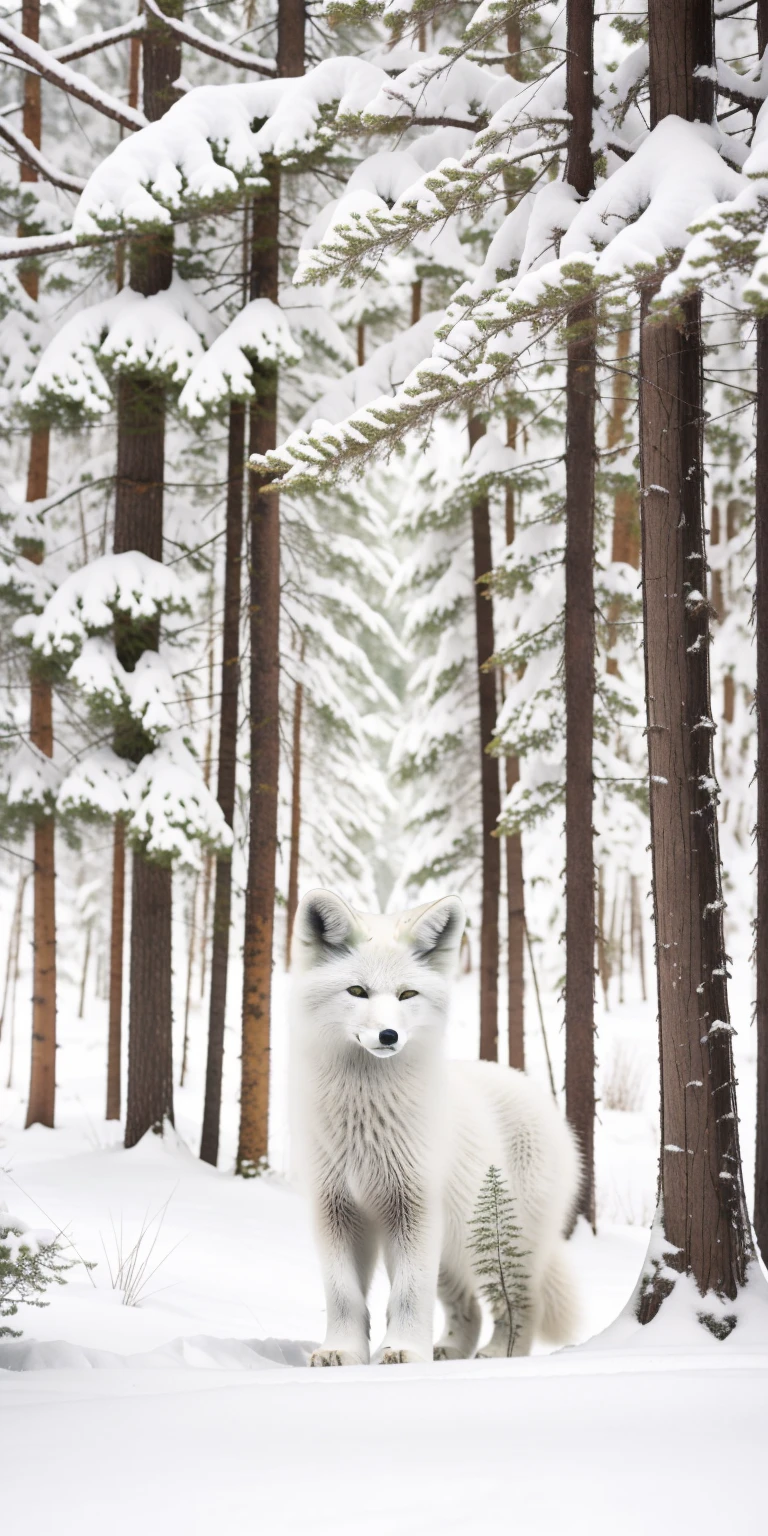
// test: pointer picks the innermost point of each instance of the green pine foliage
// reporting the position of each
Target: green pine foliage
(499, 1257)
(29, 1263)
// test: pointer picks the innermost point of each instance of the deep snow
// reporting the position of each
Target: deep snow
(192, 1411)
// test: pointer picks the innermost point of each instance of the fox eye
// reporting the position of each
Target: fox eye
(404, 996)
(357, 991)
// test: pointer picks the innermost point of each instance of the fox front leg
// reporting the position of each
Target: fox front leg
(412, 1253)
(347, 1257)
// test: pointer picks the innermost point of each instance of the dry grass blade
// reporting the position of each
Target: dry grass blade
(131, 1269)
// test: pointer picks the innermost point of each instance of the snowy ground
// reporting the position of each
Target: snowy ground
(192, 1411)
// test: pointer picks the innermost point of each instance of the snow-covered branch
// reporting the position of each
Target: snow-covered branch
(94, 41)
(28, 152)
(48, 68)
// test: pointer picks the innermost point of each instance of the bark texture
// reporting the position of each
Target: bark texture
(150, 1046)
(42, 1087)
(264, 531)
(293, 866)
(139, 525)
(227, 776)
(701, 1195)
(681, 38)
(761, 712)
(580, 640)
(700, 1178)
(514, 864)
(490, 794)
(115, 1036)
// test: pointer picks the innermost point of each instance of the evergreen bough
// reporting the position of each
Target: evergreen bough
(29, 1262)
(495, 1244)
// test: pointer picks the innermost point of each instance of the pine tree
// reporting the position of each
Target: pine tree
(30, 1262)
(499, 1258)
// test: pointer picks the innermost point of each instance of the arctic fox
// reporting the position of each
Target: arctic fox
(396, 1142)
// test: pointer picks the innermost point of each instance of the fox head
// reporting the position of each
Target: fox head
(376, 982)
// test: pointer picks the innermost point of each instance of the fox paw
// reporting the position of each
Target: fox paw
(335, 1357)
(447, 1352)
(400, 1357)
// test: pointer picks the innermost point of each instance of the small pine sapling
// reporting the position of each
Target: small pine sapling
(499, 1258)
(30, 1261)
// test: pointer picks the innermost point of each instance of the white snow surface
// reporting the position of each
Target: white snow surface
(194, 1410)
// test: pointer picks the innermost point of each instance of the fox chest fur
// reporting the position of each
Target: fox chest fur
(375, 1136)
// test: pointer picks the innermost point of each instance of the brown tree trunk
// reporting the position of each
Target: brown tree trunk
(264, 523)
(702, 1208)
(761, 711)
(514, 864)
(580, 640)
(150, 1048)
(42, 1088)
(114, 1043)
(264, 526)
(230, 691)
(293, 866)
(139, 525)
(701, 1194)
(490, 795)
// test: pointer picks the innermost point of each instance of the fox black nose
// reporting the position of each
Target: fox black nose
(388, 1036)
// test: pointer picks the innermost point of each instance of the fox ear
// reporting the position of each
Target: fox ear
(325, 926)
(436, 932)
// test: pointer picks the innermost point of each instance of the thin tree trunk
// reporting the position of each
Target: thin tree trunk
(580, 640)
(264, 527)
(293, 866)
(514, 864)
(208, 861)
(761, 711)
(264, 524)
(188, 988)
(16, 966)
(139, 525)
(230, 691)
(116, 942)
(42, 1089)
(490, 794)
(84, 976)
(15, 923)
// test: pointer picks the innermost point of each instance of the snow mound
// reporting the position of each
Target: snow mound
(197, 1353)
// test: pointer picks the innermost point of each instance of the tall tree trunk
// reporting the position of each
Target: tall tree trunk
(580, 639)
(293, 866)
(42, 1087)
(139, 525)
(114, 1042)
(514, 862)
(490, 795)
(702, 1208)
(264, 526)
(230, 690)
(761, 710)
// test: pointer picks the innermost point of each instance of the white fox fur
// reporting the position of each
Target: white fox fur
(396, 1142)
